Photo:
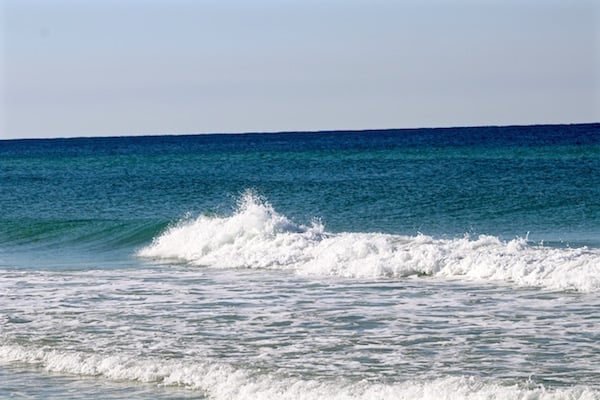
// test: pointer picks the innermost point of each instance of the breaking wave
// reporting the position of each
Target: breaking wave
(256, 236)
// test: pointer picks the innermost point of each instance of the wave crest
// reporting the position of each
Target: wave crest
(256, 236)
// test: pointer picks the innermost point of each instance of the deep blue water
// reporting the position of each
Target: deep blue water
(121, 257)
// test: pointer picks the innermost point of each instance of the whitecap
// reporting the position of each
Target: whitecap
(256, 236)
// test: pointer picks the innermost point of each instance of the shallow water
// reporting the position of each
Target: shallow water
(170, 325)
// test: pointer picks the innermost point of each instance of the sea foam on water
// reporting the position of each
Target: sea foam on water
(256, 236)
(223, 382)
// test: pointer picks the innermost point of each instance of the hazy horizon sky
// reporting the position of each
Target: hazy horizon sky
(129, 67)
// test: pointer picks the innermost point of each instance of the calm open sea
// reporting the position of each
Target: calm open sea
(457, 263)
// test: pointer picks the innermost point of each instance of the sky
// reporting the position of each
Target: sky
(131, 67)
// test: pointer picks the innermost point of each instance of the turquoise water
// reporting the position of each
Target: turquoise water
(377, 264)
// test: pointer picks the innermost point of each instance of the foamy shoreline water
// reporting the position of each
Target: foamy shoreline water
(220, 381)
(242, 333)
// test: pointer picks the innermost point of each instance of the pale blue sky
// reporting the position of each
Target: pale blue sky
(90, 68)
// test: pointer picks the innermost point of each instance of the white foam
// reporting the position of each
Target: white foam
(221, 381)
(256, 236)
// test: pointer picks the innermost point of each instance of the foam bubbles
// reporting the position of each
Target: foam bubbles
(222, 381)
(256, 236)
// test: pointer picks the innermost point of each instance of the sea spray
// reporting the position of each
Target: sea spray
(256, 236)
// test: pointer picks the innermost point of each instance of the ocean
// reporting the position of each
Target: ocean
(456, 263)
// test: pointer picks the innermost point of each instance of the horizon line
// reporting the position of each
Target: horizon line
(283, 132)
